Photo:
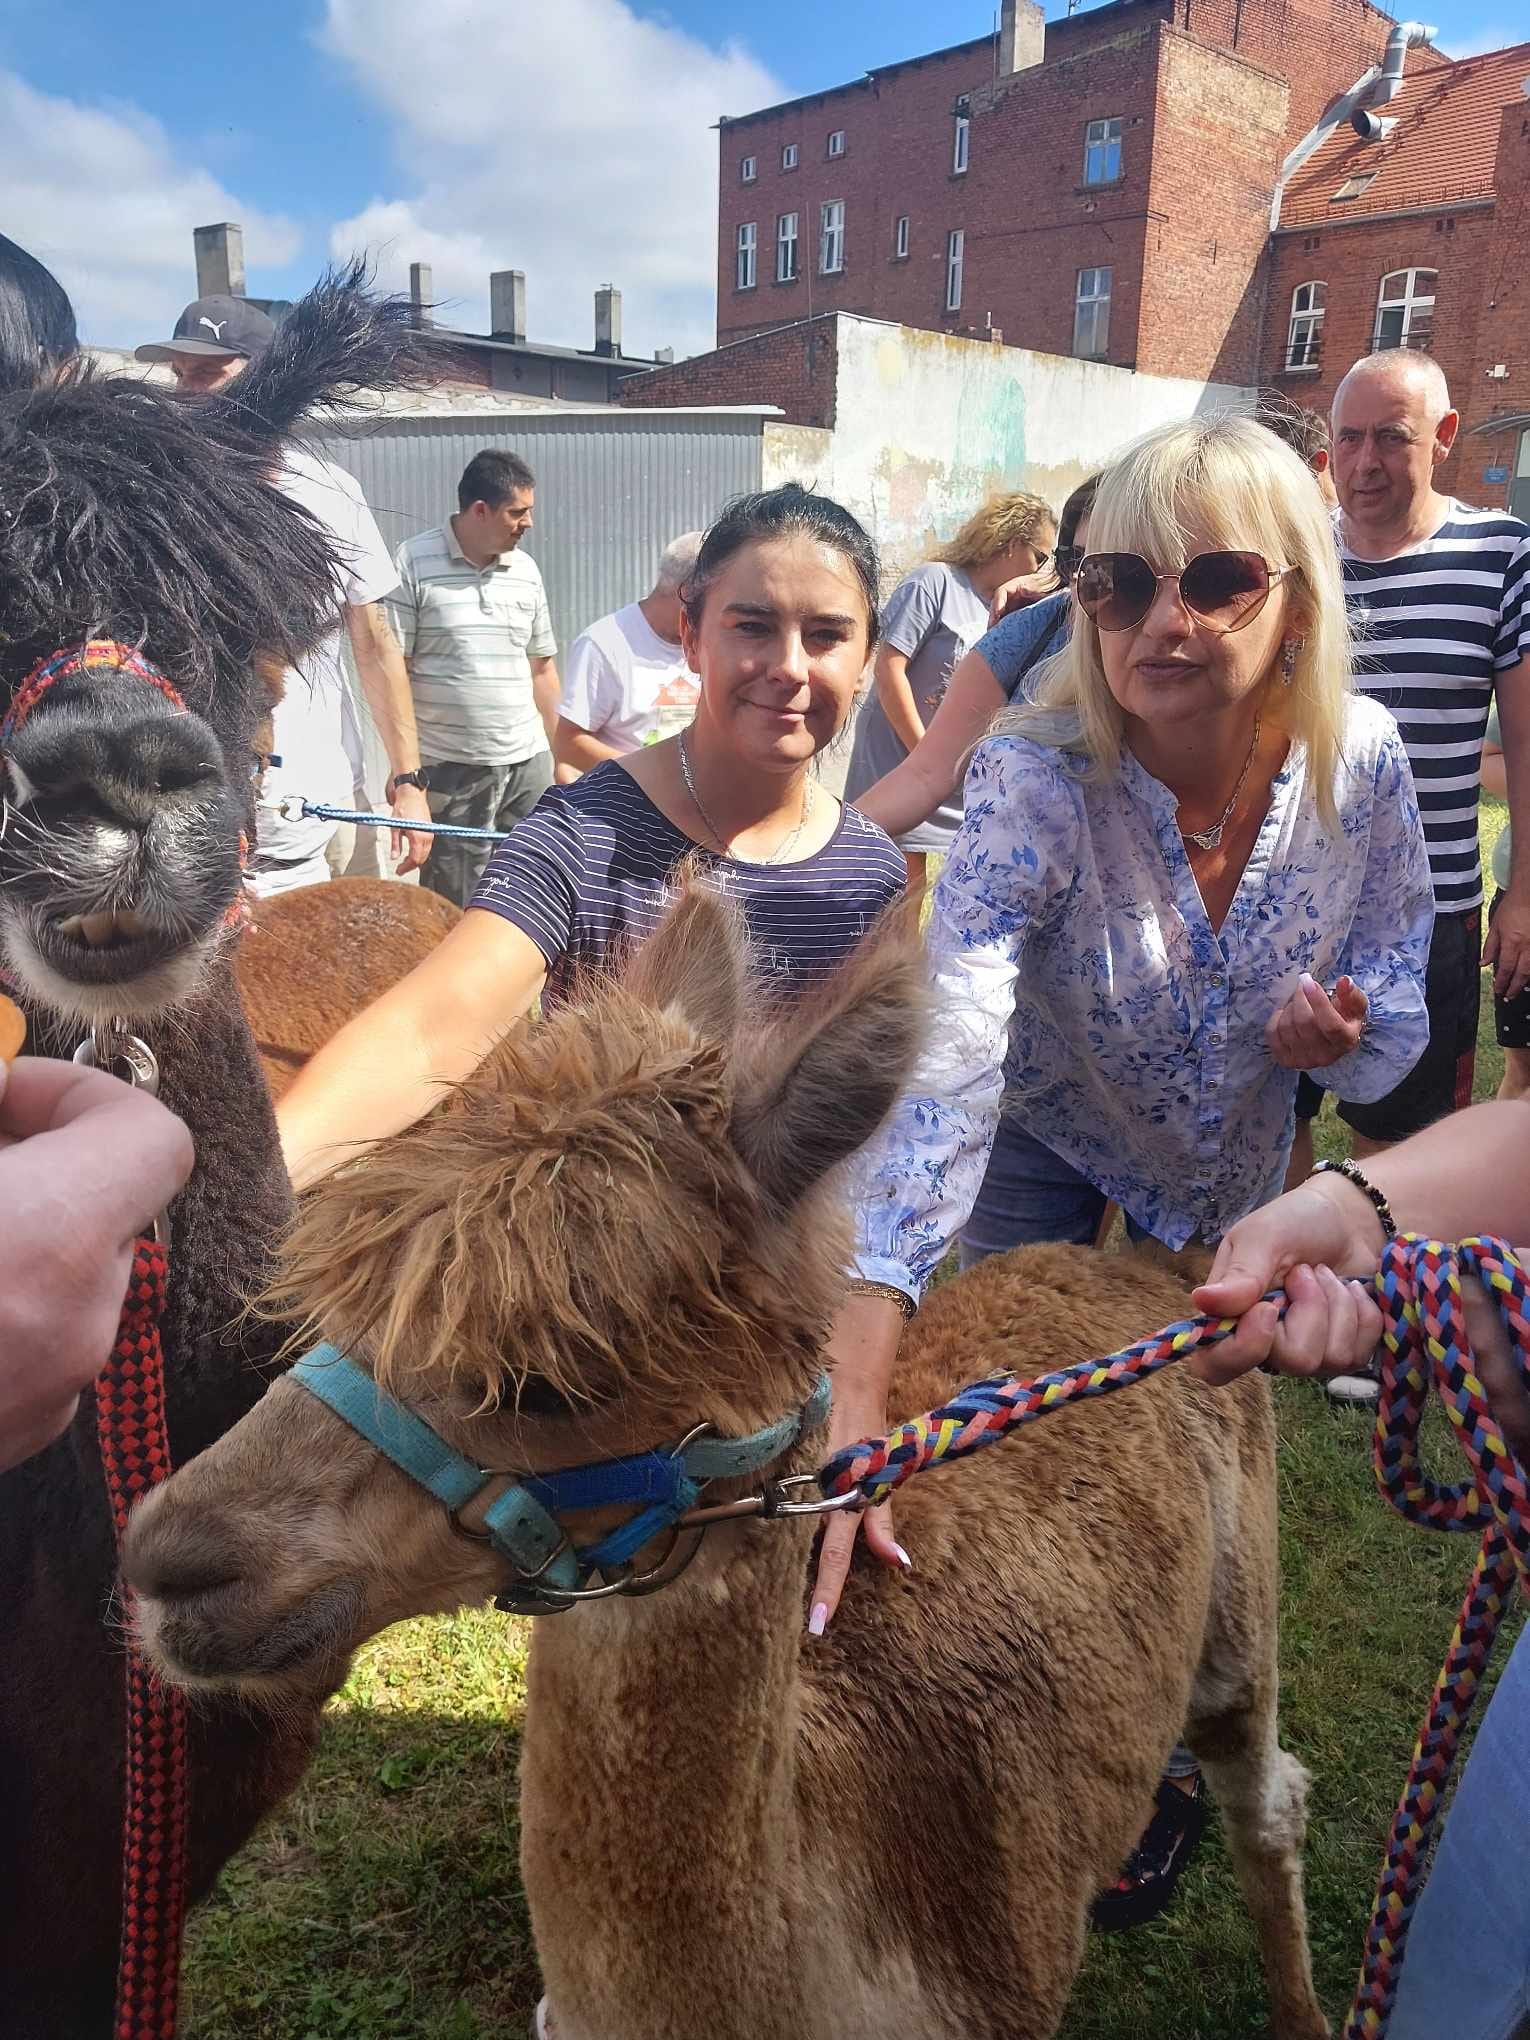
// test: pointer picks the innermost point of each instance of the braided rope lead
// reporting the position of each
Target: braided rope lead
(135, 1456)
(1418, 1287)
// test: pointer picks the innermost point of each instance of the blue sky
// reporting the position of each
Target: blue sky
(570, 138)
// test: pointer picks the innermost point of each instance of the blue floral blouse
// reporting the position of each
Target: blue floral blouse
(1068, 925)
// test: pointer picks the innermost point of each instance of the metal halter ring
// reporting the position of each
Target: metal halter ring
(104, 1048)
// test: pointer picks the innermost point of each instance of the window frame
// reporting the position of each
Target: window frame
(1106, 142)
(1416, 308)
(748, 169)
(901, 238)
(749, 249)
(826, 206)
(785, 241)
(1100, 351)
(836, 135)
(1304, 348)
(961, 138)
(956, 256)
(791, 155)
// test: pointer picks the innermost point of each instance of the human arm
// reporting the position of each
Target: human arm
(902, 798)
(1466, 1174)
(576, 750)
(86, 1163)
(399, 1056)
(895, 697)
(590, 697)
(1495, 777)
(546, 690)
(1021, 592)
(385, 685)
(1364, 1041)
(1507, 948)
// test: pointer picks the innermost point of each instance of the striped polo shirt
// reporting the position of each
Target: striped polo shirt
(1434, 627)
(589, 872)
(469, 634)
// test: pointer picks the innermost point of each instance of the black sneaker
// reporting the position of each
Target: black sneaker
(1152, 1871)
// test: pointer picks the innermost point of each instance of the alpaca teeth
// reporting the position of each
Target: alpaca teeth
(100, 930)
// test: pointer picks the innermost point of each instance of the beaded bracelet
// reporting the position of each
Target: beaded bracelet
(889, 1293)
(1351, 1173)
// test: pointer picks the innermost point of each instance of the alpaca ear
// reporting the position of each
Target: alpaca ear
(830, 1074)
(696, 962)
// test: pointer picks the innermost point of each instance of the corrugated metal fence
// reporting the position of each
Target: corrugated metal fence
(613, 487)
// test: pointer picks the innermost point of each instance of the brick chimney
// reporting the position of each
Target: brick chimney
(220, 260)
(1022, 36)
(608, 321)
(507, 304)
(421, 295)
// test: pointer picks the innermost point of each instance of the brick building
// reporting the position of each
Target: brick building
(1103, 186)
(1421, 238)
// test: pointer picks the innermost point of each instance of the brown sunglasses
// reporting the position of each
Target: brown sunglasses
(1223, 590)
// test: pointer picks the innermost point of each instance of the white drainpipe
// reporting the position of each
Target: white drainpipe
(1376, 86)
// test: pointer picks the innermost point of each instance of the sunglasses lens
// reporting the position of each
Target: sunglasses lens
(1228, 589)
(1116, 589)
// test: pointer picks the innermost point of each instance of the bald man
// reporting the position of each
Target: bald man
(1439, 595)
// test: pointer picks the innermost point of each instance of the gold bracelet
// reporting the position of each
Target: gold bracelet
(888, 1291)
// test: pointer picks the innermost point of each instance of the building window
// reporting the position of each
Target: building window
(831, 237)
(786, 248)
(961, 139)
(900, 238)
(1305, 333)
(1353, 186)
(1091, 315)
(748, 170)
(789, 156)
(1405, 309)
(1102, 152)
(743, 275)
(837, 142)
(955, 241)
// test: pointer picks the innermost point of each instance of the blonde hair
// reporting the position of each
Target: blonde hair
(1003, 521)
(1242, 488)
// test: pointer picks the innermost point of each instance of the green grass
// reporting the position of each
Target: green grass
(383, 1902)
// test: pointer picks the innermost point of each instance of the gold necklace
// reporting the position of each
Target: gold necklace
(778, 855)
(1209, 839)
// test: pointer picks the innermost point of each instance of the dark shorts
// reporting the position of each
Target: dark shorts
(1511, 1017)
(1440, 1082)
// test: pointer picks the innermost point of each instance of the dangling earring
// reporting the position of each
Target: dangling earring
(1288, 656)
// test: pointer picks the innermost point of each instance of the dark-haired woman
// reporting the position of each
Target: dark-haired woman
(37, 330)
(780, 618)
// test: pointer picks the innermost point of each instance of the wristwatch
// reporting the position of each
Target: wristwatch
(419, 777)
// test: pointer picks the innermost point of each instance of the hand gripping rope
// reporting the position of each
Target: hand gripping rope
(1418, 1287)
(135, 1456)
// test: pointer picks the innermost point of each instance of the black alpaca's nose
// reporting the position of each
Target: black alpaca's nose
(122, 768)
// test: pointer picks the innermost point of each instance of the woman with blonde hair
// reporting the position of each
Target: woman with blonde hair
(929, 622)
(1190, 829)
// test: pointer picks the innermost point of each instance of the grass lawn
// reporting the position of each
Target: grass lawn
(383, 1902)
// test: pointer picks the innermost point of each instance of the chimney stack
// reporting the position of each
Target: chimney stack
(665, 356)
(1022, 36)
(507, 304)
(608, 321)
(220, 260)
(421, 295)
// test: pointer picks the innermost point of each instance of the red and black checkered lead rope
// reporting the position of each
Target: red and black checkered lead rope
(135, 1456)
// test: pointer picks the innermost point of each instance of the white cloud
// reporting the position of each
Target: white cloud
(101, 196)
(573, 142)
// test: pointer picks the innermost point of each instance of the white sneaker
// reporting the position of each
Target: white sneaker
(1353, 1389)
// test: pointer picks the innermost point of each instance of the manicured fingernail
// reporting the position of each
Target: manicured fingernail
(818, 1620)
(903, 1558)
(1309, 983)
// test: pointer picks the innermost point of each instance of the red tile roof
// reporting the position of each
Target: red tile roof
(1441, 152)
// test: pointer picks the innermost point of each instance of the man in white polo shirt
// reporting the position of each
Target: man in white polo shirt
(626, 681)
(471, 614)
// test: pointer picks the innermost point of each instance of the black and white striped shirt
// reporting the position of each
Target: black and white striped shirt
(589, 872)
(1435, 627)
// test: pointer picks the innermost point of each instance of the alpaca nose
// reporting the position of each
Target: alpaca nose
(122, 769)
(193, 1552)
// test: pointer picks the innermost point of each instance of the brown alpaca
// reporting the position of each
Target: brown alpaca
(730, 1831)
(314, 957)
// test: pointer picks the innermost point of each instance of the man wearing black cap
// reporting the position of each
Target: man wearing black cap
(316, 743)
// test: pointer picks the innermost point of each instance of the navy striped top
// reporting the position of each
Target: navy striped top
(1435, 627)
(588, 873)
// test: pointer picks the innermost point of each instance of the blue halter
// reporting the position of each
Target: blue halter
(522, 1522)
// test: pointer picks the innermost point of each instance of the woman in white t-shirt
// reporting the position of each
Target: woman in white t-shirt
(626, 683)
(932, 619)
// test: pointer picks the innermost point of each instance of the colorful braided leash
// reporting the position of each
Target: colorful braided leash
(135, 1456)
(1418, 1287)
